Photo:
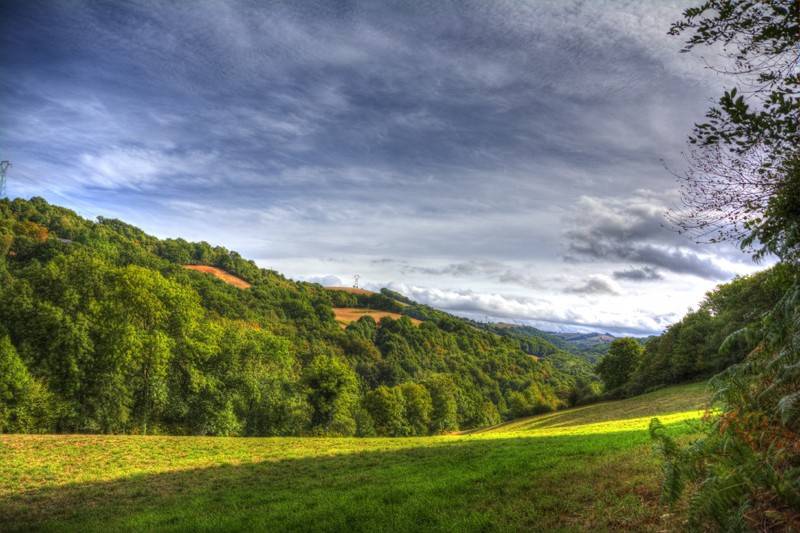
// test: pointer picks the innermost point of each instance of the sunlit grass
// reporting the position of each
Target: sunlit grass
(585, 468)
(673, 403)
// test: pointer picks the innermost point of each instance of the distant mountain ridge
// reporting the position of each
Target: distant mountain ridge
(589, 346)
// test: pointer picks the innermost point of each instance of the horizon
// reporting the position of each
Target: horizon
(508, 161)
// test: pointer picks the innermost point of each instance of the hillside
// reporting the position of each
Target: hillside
(106, 329)
(588, 346)
(589, 468)
(630, 413)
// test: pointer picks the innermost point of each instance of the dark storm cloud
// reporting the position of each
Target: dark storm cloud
(595, 285)
(632, 230)
(645, 273)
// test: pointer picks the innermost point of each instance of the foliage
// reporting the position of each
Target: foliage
(754, 130)
(418, 408)
(747, 467)
(387, 407)
(619, 364)
(745, 471)
(586, 346)
(695, 347)
(24, 403)
(777, 231)
(331, 386)
(115, 336)
(444, 416)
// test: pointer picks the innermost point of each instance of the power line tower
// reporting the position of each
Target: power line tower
(355, 281)
(4, 165)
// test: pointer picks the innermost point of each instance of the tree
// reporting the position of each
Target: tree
(14, 383)
(619, 364)
(759, 38)
(418, 407)
(443, 398)
(519, 405)
(742, 149)
(583, 392)
(118, 337)
(331, 390)
(267, 398)
(387, 407)
(25, 404)
(777, 229)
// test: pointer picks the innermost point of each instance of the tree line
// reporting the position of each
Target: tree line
(702, 343)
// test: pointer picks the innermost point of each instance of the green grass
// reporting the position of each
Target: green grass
(585, 468)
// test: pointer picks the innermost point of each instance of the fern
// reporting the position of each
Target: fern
(746, 469)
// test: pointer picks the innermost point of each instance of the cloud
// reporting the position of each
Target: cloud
(631, 229)
(486, 269)
(469, 268)
(597, 284)
(544, 313)
(645, 273)
(325, 280)
(132, 167)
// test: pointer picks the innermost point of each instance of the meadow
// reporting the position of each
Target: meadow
(591, 467)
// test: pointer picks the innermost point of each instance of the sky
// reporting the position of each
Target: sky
(505, 160)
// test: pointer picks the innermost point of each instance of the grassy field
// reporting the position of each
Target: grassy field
(585, 468)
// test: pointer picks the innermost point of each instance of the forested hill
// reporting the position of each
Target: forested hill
(102, 329)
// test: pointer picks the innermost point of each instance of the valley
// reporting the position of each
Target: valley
(572, 230)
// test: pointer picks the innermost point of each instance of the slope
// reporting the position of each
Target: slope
(582, 469)
(108, 332)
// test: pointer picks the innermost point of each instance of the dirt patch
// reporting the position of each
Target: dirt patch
(345, 315)
(230, 279)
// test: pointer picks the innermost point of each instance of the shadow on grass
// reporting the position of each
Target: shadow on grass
(572, 482)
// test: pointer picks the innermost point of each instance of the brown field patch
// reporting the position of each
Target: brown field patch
(345, 315)
(230, 279)
(351, 290)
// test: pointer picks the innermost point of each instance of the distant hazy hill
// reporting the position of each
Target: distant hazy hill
(589, 346)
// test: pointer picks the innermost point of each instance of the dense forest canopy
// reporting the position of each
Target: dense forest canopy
(103, 330)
